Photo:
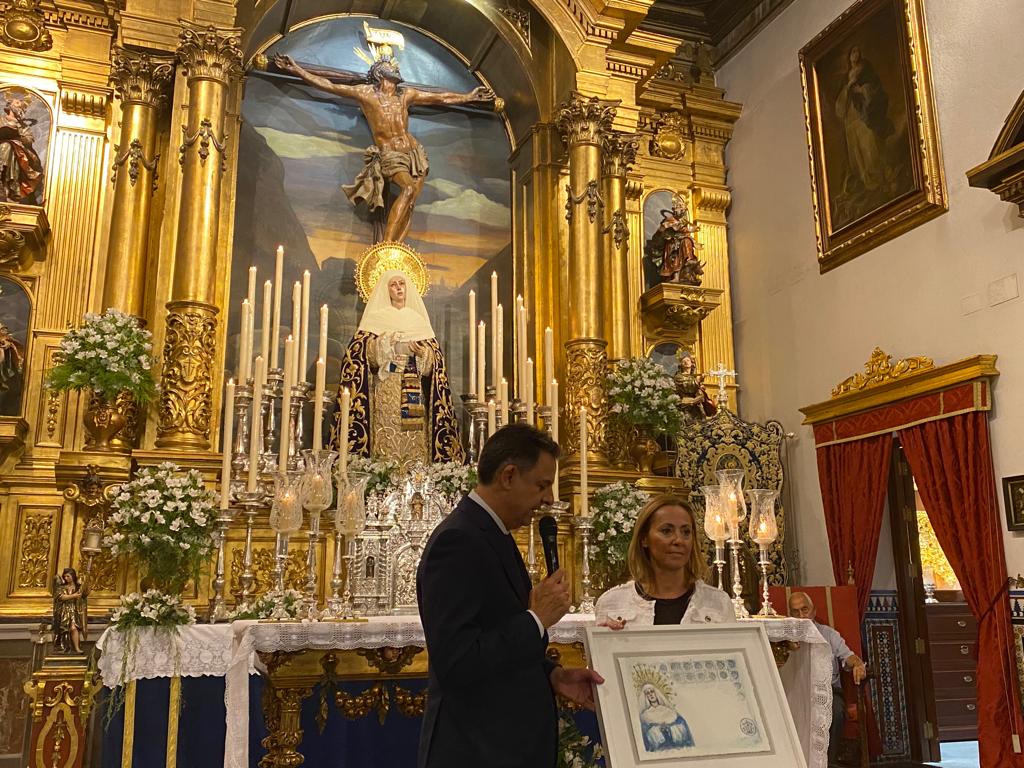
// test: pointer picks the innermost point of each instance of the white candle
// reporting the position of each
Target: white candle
(517, 350)
(499, 347)
(286, 403)
(553, 393)
(255, 434)
(321, 351)
(268, 289)
(528, 380)
(225, 444)
(245, 343)
(294, 330)
(346, 404)
(304, 328)
(275, 339)
(503, 399)
(318, 404)
(524, 351)
(491, 418)
(472, 342)
(549, 358)
(584, 492)
(251, 292)
(495, 330)
(481, 362)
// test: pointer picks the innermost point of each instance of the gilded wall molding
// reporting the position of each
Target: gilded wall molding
(140, 78)
(880, 369)
(519, 18)
(23, 26)
(186, 398)
(34, 558)
(210, 53)
(86, 103)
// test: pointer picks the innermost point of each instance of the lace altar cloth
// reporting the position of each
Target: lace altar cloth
(229, 651)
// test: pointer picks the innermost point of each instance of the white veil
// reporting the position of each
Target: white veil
(410, 323)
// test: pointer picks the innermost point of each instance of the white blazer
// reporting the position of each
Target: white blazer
(708, 605)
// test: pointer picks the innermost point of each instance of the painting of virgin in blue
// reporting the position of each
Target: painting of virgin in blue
(662, 726)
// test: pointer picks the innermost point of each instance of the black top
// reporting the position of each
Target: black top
(668, 610)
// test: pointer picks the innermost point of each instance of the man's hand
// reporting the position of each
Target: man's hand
(858, 670)
(285, 63)
(481, 94)
(577, 684)
(550, 599)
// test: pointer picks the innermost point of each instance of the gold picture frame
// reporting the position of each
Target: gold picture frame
(872, 136)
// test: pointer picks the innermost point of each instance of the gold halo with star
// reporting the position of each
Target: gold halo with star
(382, 257)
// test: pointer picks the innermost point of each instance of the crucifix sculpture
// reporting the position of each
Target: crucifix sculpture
(722, 373)
(396, 156)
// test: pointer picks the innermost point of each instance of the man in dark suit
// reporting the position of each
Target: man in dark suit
(490, 700)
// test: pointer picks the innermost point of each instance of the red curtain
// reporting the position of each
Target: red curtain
(952, 463)
(854, 480)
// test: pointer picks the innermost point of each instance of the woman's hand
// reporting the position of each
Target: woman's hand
(612, 623)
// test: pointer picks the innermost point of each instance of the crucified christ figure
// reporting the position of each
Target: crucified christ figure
(396, 156)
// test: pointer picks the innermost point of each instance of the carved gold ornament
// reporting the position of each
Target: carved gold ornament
(210, 53)
(206, 136)
(669, 135)
(880, 369)
(186, 401)
(618, 152)
(580, 119)
(586, 361)
(140, 78)
(387, 256)
(135, 157)
(12, 242)
(22, 26)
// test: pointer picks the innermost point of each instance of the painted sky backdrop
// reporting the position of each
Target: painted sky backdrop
(299, 145)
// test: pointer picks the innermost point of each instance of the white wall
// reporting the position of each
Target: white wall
(799, 333)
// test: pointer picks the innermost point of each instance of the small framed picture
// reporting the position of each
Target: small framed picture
(1013, 495)
(692, 695)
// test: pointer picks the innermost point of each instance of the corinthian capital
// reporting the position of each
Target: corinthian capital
(140, 78)
(210, 52)
(582, 120)
(618, 152)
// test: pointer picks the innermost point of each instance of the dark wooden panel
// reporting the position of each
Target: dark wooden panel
(954, 655)
(959, 684)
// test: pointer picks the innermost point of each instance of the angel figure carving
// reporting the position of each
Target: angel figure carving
(70, 612)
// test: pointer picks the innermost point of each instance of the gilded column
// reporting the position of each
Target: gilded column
(710, 205)
(617, 156)
(211, 58)
(141, 82)
(582, 121)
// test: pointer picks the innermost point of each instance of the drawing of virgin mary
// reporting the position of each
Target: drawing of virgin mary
(662, 726)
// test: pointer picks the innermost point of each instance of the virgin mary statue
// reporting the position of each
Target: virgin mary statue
(401, 406)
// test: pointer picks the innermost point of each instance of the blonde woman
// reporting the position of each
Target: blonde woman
(666, 561)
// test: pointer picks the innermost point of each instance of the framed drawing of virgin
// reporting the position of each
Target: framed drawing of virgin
(694, 695)
(873, 140)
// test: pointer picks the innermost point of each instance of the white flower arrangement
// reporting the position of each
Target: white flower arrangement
(152, 609)
(109, 354)
(291, 601)
(615, 509)
(166, 517)
(384, 473)
(575, 749)
(451, 478)
(643, 394)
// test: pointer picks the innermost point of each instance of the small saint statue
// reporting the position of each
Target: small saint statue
(694, 401)
(672, 248)
(396, 156)
(70, 612)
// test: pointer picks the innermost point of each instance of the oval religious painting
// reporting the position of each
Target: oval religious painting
(25, 121)
(15, 312)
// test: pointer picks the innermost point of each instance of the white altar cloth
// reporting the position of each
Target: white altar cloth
(229, 651)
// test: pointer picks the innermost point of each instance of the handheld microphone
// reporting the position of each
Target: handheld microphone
(549, 540)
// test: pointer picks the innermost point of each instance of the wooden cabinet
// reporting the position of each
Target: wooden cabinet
(952, 633)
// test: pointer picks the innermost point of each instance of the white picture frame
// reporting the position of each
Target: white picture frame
(691, 695)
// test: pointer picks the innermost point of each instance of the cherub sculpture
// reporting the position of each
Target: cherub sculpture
(70, 612)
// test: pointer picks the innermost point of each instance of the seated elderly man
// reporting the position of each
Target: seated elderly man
(802, 607)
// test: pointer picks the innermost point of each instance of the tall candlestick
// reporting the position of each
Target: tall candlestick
(521, 346)
(286, 403)
(304, 329)
(225, 444)
(318, 404)
(553, 393)
(321, 351)
(346, 404)
(472, 342)
(528, 381)
(549, 359)
(491, 418)
(256, 422)
(503, 399)
(251, 288)
(499, 347)
(584, 491)
(275, 322)
(495, 328)
(268, 289)
(245, 343)
(481, 362)
(296, 322)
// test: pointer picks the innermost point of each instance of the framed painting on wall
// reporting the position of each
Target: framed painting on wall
(1013, 497)
(706, 695)
(873, 140)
